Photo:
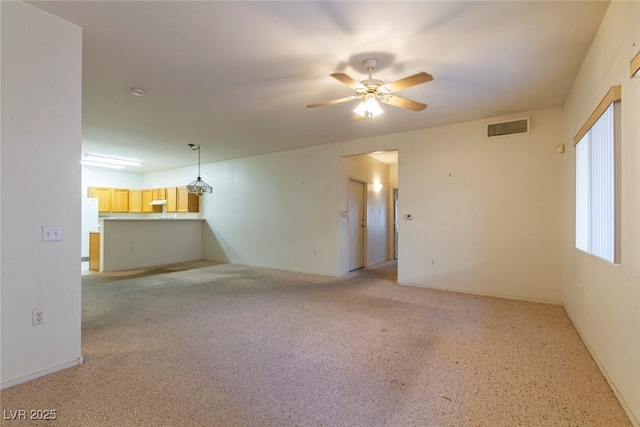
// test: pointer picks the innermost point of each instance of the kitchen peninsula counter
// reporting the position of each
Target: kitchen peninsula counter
(129, 243)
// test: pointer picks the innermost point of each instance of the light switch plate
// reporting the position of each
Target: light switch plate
(51, 234)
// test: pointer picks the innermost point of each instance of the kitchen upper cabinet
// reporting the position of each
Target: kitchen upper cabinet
(147, 197)
(104, 197)
(171, 194)
(187, 202)
(123, 200)
(159, 193)
(120, 201)
(135, 201)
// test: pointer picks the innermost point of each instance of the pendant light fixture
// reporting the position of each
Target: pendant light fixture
(198, 187)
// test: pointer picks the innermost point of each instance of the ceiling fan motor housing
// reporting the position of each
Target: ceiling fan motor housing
(370, 64)
(371, 86)
(372, 82)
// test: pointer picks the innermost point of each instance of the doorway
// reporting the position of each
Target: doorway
(356, 224)
(370, 214)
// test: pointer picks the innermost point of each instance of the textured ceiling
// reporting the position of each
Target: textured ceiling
(236, 77)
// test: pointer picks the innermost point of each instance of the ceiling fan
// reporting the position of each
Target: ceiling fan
(371, 90)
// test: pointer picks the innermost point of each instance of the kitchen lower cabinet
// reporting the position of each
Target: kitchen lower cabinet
(94, 250)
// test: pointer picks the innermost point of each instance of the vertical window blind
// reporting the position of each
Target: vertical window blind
(595, 188)
(598, 179)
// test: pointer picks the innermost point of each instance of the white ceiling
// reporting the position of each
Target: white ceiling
(236, 77)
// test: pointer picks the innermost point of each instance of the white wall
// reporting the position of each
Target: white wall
(282, 210)
(603, 300)
(99, 177)
(41, 114)
(493, 227)
(276, 210)
(486, 211)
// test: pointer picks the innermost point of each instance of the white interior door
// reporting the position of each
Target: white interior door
(356, 225)
(395, 223)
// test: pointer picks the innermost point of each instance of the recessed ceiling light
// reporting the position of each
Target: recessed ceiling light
(137, 91)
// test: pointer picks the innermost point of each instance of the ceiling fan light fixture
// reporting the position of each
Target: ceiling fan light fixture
(369, 107)
(372, 91)
(198, 187)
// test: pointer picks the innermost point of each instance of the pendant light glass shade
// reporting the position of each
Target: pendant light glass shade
(198, 187)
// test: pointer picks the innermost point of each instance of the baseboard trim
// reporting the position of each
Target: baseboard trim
(484, 294)
(42, 373)
(625, 407)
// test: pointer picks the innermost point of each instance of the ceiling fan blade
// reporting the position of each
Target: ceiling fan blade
(416, 79)
(334, 101)
(397, 101)
(352, 83)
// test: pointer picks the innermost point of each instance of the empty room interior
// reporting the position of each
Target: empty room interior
(320, 213)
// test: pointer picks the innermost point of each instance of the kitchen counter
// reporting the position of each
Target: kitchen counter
(129, 243)
(150, 219)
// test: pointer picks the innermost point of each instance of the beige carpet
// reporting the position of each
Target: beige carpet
(223, 345)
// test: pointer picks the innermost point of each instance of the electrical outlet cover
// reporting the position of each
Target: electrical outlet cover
(38, 316)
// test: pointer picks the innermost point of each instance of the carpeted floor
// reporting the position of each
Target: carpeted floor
(203, 344)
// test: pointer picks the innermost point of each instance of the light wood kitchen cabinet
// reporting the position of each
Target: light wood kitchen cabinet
(187, 202)
(123, 200)
(104, 197)
(158, 194)
(172, 199)
(147, 197)
(120, 200)
(135, 201)
(94, 251)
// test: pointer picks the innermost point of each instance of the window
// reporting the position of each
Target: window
(597, 181)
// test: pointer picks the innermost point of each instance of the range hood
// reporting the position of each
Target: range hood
(158, 202)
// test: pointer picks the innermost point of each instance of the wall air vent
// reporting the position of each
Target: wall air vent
(511, 127)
